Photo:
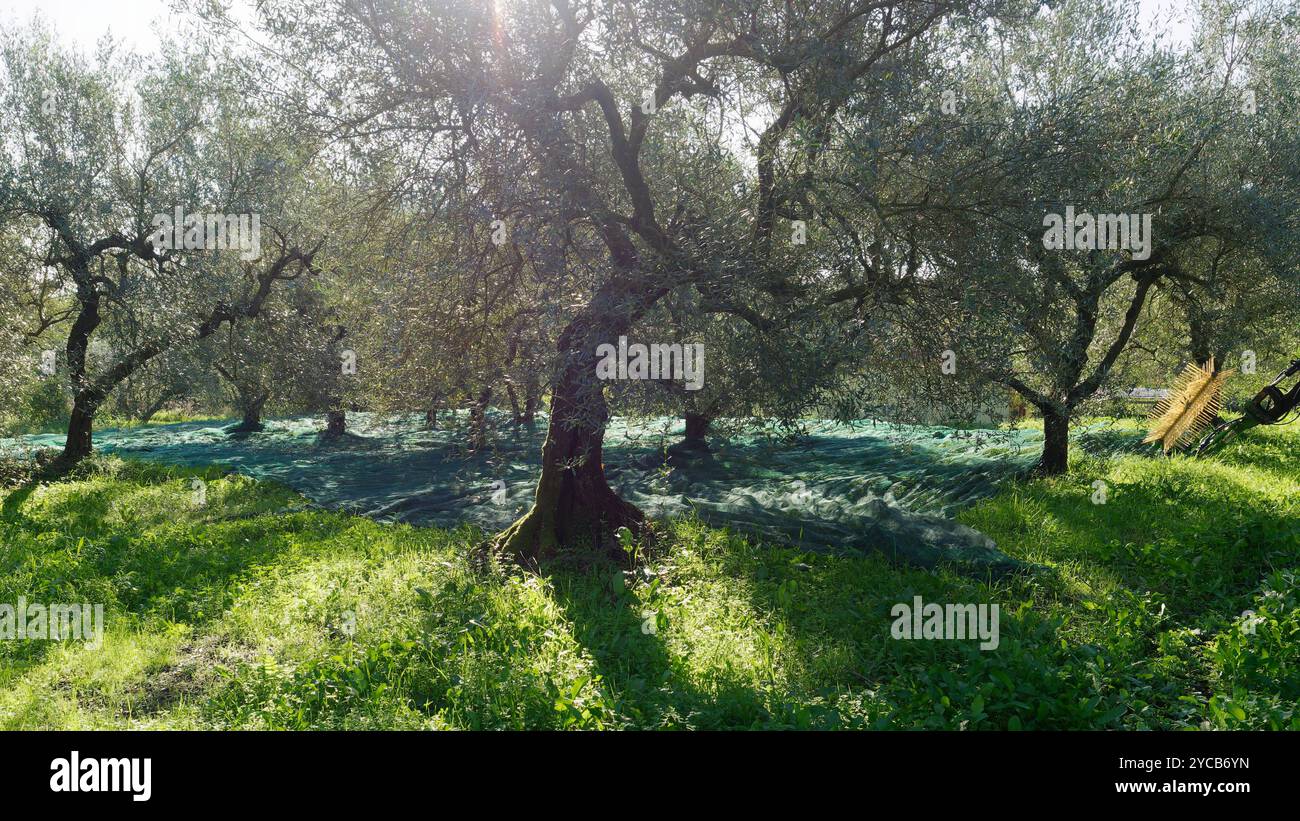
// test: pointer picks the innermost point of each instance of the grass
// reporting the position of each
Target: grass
(254, 610)
(105, 421)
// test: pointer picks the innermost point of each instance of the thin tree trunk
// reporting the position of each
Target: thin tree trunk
(90, 394)
(86, 400)
(532, 398)
(478, 420)
(152, 411)
(516, 413)
(431, 413)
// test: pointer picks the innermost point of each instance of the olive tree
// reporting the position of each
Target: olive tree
(1105, 178)
(607, 117)
(101, 157)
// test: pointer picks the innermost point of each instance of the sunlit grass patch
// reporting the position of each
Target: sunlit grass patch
(252, 611)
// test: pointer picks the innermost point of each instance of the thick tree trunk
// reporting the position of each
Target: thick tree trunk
(80, 428)
(336, 424)
(1199, 343)
(574, 506)
(695, 441)
(1201, 350)
(252, 422)
(697, 428)
(1056, 443)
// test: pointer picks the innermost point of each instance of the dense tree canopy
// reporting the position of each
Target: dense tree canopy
(908, 209)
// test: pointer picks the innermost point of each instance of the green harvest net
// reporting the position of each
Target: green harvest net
(861, 486)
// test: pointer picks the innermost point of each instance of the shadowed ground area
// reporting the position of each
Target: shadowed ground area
(862, 486)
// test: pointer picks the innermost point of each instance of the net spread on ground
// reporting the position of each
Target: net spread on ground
(860, 486)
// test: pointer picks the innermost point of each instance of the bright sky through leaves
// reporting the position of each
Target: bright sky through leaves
(135, 21)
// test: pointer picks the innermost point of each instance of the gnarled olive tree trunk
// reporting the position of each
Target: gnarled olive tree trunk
(252, 413)
(532, 401)
(574, 506)
(86, 398)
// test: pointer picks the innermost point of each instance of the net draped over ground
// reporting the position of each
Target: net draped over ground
(858, 486)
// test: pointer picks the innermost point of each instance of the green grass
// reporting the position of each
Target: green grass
(256, 611)
(105, 421)
(162, 417)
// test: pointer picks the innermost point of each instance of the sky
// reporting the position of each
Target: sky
(85, 21)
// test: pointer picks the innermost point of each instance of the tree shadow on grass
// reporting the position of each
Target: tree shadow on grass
(140, 546)
(829, 621)
(1275, 450)
(757, 635)
(1195, 538)
(650, 684)
(11, 509)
